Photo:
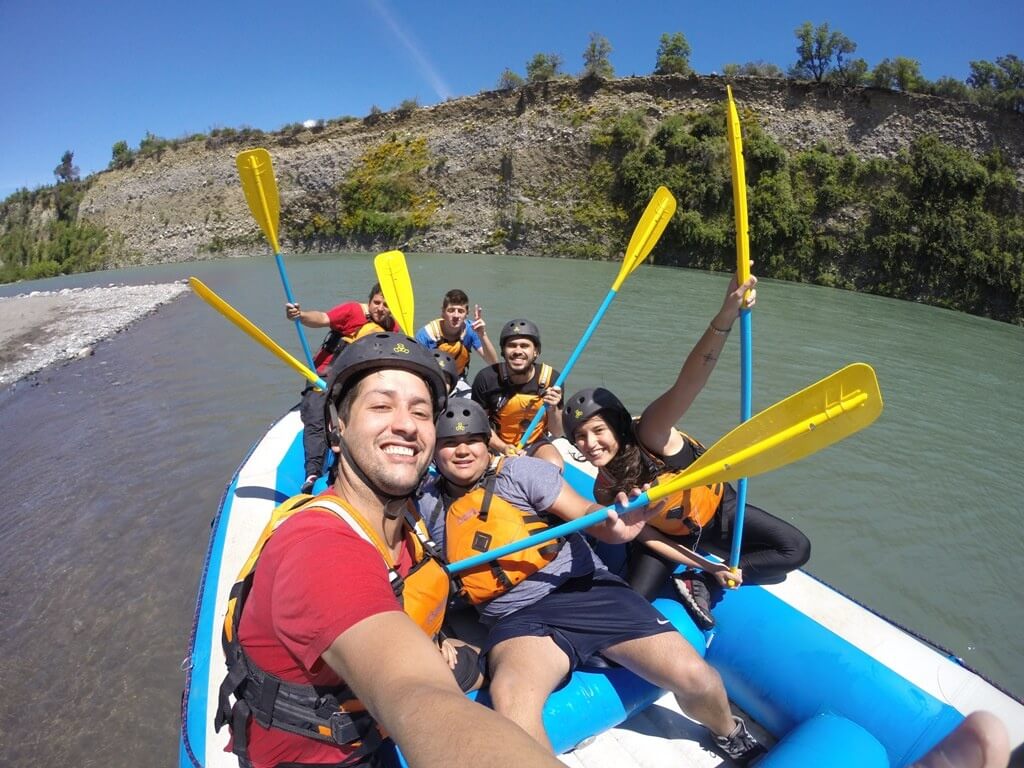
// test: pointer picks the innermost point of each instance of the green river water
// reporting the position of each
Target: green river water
(114, 465)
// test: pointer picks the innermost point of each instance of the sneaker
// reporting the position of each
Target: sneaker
(307, 487)
(740, 746)
(695, 597)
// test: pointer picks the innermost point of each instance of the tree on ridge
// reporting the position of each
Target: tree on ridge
(816, 48)
(67, 170)
(673, 55)
(595, 57)
(509, 80)
(1000, 84)
(543, 66)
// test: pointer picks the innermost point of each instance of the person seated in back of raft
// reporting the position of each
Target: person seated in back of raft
(554, 607)
(512, 391)
(452, 334)
(632, 453)
(347, 322)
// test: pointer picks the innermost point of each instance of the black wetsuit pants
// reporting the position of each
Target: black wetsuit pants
(771, 548)
(314, 439)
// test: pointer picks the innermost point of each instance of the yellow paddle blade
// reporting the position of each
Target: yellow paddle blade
(257, 175)
(252, 330)
(804, 423)
(648, 230)
(393, 276)
(739, 191)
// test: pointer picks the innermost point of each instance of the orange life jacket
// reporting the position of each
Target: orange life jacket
(683, 512)
(478, 521)
(457, 349)
(515, 414)
(364, 330)
(332, 715)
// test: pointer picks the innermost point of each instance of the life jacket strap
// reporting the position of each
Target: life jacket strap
(305, 710)
(485, 504)
(332, 343)
(500, 576)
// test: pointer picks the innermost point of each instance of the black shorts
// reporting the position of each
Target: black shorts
(583, 617)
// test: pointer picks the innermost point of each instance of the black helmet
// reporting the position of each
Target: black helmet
(589, 402)
(382, 350)
(463, 416)
(448, 367)
(520, 327)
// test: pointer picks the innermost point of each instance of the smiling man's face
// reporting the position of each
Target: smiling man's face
(389, 429)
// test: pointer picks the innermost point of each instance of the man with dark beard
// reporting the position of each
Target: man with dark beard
(514, 390)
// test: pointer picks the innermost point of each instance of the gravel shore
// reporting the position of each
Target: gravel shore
(42, 328)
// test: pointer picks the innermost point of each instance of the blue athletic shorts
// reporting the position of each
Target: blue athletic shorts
(583, 617)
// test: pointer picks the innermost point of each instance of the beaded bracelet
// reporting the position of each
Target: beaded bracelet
(719, 331)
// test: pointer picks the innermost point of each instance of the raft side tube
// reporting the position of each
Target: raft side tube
(784, 668)
(830, 740)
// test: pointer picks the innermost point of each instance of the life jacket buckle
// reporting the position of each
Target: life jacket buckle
(341, 726)
(355, 732)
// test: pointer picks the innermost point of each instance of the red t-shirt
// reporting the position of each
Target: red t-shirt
(316, 578)
(346, 319)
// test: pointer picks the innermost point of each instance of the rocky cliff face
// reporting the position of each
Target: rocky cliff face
(501, 155)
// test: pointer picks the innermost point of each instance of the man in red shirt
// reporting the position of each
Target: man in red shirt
(347, 322)
(323, 609)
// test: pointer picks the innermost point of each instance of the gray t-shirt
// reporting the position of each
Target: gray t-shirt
(532, 485)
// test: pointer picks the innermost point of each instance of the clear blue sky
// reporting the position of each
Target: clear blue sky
(83, 75)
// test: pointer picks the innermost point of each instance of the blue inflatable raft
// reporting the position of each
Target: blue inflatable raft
(821, 677)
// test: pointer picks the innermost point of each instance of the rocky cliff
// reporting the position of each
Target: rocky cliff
(494, 153)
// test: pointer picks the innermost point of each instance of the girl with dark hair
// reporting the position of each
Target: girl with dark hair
(637, 453)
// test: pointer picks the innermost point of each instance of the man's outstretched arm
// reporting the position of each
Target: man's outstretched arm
(398, 674)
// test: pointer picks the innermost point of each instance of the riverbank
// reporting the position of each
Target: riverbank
(45, 328)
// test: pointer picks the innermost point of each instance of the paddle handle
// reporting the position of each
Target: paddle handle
(570, 362)
(746, 390)
(291, 300)
(739, 197)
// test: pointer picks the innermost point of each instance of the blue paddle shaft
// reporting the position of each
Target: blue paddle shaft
(595, 517)
(291, 300)
(571, 361)
(746, 388)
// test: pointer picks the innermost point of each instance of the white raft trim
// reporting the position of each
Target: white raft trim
(248, 517)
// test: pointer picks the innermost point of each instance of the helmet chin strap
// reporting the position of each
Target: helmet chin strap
(384, 496)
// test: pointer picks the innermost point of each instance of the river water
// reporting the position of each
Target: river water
(113, 466)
